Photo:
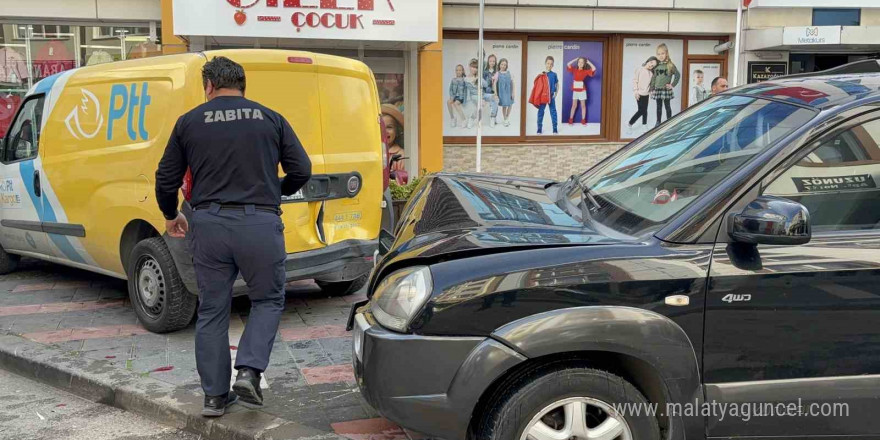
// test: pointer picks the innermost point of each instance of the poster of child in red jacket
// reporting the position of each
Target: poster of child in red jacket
(571, 71)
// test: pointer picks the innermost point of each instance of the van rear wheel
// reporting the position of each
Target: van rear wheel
(8, 262)
(343, 288)
(158, 295)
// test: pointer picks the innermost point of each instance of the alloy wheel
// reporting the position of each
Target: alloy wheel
(577, 418)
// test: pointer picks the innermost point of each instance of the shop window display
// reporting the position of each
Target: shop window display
(31, 52)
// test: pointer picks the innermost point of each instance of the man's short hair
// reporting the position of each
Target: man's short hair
(698, 72)
(224, 74)
(715, 81)
(549, 58)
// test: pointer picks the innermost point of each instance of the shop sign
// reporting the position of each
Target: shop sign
(810, 35)
(369, 20)
(761, 71)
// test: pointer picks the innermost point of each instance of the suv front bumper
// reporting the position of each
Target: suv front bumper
(426, 383)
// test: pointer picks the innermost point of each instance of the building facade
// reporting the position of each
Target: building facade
(618, 66)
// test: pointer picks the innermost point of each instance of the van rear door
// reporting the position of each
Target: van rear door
(352, 148)
(288, 84)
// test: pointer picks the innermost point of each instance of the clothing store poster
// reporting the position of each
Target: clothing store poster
(643, 80)
(569, 91)
(700, 76)
(501, 104)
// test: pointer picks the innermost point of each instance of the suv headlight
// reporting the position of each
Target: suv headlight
(400, 296)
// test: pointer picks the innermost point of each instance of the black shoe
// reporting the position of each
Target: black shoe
(215, 406)
(247, 385)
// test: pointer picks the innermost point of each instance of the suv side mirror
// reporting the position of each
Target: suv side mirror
(771, 220)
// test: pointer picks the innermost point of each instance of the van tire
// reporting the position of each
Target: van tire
(343, 288)
(511, 409)
(159, 298)
(8, 262)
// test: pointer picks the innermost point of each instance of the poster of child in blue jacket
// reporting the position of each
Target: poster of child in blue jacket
(497, 101)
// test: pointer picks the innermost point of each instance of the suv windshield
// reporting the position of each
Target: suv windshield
(661, 174)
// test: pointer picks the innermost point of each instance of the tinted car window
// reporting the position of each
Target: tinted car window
(661, 174)
(837, 181)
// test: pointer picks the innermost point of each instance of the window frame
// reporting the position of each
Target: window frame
(857, 10)
(8, 136)
(860, 116)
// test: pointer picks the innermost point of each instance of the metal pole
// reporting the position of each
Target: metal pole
(738, 43)
(480, 89)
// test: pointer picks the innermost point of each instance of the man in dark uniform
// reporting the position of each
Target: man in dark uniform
(233, 147)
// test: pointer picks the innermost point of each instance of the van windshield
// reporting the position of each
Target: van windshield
(659, 175)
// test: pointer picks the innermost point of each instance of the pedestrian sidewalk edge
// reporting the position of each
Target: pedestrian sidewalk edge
(98, 381)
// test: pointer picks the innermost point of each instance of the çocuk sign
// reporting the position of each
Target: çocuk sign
(372, 20)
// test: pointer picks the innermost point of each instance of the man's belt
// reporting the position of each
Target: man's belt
(236, 207)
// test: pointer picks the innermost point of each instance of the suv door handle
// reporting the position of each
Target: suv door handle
(37, 191)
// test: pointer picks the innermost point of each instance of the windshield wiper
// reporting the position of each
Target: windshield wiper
(588, 193)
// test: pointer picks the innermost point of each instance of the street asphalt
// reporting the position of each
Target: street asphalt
(30, 410)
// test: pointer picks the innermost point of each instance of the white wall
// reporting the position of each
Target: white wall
(729, 5)
(115, 10)
(581, 19)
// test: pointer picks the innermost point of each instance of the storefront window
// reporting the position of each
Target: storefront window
(31, 52)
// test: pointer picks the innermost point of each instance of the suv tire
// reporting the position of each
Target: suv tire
(343, 288)
(8, 262)
(551, 390)
(161, 301)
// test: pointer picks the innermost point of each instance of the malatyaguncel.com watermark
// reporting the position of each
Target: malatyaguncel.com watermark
(742, 410)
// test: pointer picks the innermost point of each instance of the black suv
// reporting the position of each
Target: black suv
(717, 277)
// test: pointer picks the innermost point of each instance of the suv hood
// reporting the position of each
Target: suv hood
(477, 214)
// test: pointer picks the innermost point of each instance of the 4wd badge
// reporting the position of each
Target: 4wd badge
(731, 298)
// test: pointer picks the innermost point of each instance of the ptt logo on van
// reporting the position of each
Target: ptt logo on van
(90, 108)
(127, 101)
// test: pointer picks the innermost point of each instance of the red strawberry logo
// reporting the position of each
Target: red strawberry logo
(240, 16)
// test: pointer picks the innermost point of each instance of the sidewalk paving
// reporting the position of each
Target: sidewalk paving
(76, 330)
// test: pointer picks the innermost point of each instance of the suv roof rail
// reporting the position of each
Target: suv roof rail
(862, 66)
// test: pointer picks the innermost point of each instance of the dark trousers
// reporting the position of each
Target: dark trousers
(660, 104)
(224, 243)
(643, 111)
(553, 118)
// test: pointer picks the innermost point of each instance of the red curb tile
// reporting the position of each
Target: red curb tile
(369, 429)
(75, 334)
(331, 374)
(32, 287)
(19, 310)
(313, 332)
(60, 307)
(71, 285)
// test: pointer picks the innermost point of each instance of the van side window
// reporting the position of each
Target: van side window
(23, 139)
(838, 181)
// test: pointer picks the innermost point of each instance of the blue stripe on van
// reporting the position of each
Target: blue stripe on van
(45, 85)
(47, 214)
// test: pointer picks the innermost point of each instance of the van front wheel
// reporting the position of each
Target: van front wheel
(8, 262)
(158, 295)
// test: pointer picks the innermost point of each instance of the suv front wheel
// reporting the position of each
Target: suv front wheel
(561, 402)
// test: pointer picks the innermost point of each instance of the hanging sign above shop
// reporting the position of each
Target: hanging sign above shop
(765, 71)
(810, 35)
(369, 20)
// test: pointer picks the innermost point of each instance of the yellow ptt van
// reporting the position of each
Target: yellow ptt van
(77, 167)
